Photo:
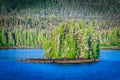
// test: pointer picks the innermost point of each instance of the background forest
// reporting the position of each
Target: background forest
(21, 21)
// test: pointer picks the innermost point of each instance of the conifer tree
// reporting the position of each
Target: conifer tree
(39, 39)
(24, 40)
(10, 39)
(3, 37)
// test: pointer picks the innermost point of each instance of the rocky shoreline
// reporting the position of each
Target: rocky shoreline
(61, 61)
(110, 48)
(20, 47)
(39, 47)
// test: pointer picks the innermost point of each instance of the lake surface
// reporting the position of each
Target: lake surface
(107, 69)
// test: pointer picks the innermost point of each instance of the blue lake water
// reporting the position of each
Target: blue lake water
(107, 69)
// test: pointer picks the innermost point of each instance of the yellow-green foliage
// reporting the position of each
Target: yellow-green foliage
(10, 38)
(71, 40)
(19, 37)
(2, 37)
(110, 37)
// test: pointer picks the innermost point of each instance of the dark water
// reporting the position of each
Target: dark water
(107, 69)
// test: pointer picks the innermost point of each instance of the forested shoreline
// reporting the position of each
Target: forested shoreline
(29, 37)
(21, 21)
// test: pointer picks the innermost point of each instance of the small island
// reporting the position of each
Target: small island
(71, 42)
(61, 61)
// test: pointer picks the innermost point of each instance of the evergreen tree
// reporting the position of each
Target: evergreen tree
(10, 39)
(24, 38)
(3, 37)
(39, 39)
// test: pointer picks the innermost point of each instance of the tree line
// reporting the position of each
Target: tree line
(32, 37)
(110, 37)
(17, 37)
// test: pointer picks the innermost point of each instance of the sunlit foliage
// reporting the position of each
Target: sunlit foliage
(110, 37)
(71, 40)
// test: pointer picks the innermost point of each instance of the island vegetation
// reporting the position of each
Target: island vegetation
(71, 40)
